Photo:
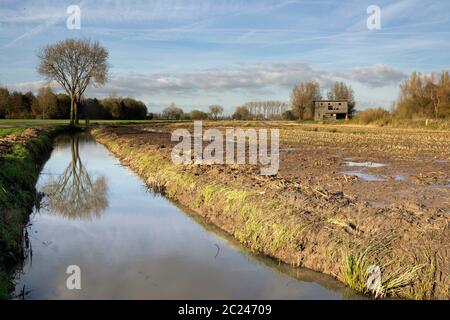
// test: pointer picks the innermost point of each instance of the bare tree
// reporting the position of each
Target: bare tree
(242, 113)
(74, 64)
(215, 111)
(424, 95)
(266, 109)
(46, 104)
(172, 112)
(437, 91)
(302, 99)
(341, 91)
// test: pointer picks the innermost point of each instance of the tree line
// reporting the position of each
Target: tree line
(48, 105)
(424, 96)
(302, 103)
(172, 112)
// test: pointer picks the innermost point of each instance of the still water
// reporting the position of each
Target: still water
(133, 244)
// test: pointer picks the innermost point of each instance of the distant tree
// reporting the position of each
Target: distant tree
(288, 115)
(341, 91)
(242, 113)
(20, 105)
(412, 100)
(63, 106)
(74, 64)
(266, 109)
(92, 109)
(172, 112)
(15, 105)
(4, 102)
(28, 100)
(424, 96)
(198, 115)
(302, 99)
(45, 106)
(113, 107)
(133, 109)
(123, 108)
(215, 111)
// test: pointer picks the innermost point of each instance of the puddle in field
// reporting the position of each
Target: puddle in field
(399, 177)
(441, 161)
(288, 150)
(364, 176)
(366, 164)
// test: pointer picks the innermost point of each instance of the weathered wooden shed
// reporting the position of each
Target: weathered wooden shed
(330, 109)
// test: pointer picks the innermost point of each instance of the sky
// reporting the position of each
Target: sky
(201, 52)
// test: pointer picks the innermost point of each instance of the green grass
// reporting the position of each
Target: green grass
(8, 131)
(394, 279)
(5, 287)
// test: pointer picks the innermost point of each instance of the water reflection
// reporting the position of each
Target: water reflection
(74, 194)
(142, 246)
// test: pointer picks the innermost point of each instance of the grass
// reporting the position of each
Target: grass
(341, 222)
(378, 119)
(393, 281)
(5, 287)
(9, 131)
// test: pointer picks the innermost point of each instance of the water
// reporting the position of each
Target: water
(366, 164)
(132, 244)
(363, 176)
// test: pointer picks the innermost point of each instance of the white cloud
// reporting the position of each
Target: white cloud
(244, 79)
(246, 82)
(378, 75)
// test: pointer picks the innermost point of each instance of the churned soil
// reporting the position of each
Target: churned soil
(347, 188)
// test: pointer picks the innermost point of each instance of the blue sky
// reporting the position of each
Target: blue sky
(199, 52)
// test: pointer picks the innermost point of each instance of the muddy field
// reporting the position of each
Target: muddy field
(346, 197)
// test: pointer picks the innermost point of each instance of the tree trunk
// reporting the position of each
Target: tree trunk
(72, 103)
(76, 111)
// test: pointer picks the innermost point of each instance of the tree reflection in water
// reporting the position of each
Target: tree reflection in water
(74, 194)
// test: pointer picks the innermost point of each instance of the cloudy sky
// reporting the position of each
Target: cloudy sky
(200, 52)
